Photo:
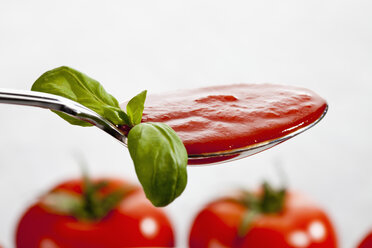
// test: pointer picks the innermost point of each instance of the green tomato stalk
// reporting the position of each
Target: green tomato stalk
(269, 201)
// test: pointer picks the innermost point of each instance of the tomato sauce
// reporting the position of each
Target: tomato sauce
(229, 117)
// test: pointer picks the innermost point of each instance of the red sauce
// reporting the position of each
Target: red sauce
(220, 118)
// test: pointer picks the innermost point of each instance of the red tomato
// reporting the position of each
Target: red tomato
(367, 242)
(299, 224)
(132, 222)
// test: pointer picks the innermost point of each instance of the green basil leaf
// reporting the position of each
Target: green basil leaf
(160, 160)
(74, 85)
(135, 108)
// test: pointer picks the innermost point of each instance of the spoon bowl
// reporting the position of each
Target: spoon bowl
(230, 155)
(78, 111)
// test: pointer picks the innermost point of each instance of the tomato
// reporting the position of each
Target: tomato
(231, 117)
(366, 242)
(229, 222)
(131, 221)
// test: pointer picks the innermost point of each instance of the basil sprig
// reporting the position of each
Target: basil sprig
(159, 155)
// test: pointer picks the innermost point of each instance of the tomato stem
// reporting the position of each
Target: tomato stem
(92, 205)
(270, 201)
(96, 205)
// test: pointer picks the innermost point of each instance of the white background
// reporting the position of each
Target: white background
(323, 45)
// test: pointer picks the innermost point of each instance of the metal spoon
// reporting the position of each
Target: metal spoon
(78, 111)
(61, 104)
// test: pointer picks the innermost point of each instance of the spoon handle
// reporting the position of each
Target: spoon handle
(61, 104)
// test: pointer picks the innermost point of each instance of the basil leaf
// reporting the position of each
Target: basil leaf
(135, 108)
(160, 160)
(74, 85)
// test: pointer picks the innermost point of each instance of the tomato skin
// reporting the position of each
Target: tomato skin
(301, 224)
(133, 223)
(367, 241)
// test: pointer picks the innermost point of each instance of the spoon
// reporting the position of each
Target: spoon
(61, 104)
(78, 111)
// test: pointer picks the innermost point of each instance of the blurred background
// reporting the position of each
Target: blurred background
(166, 45)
